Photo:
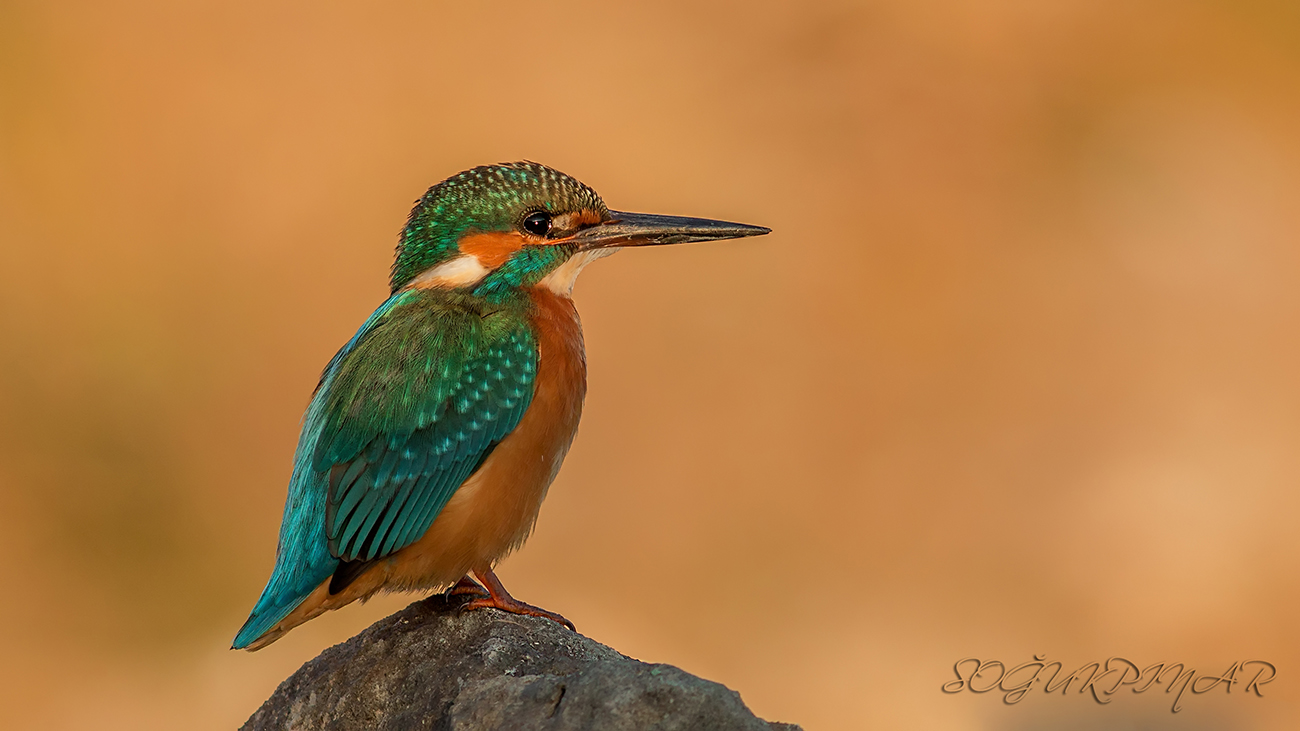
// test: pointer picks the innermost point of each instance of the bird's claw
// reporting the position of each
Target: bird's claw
(514, 606)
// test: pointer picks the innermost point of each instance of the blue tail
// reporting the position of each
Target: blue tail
(274, 605)
(302, 560)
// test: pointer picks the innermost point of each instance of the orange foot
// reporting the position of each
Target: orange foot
(498, 598)
(468, 586)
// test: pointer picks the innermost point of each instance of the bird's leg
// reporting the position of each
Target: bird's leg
(467, 585)
(499, 598)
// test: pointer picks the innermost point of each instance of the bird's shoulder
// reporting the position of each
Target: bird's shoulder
(432, 321)
(423, 357)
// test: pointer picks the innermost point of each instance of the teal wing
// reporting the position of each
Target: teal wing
(412, 412)
(404, 413)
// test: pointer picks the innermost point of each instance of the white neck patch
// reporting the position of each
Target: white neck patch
(463, 270)
(561, 279)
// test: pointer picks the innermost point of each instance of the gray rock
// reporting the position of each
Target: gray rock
(431, 667)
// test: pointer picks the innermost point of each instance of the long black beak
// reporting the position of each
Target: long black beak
(648, 229)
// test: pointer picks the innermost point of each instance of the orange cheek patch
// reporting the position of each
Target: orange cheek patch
(587, 217)
(492, 249)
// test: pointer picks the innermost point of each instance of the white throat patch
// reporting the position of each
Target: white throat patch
(561, 279)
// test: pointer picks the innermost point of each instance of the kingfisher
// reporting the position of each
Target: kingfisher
(434, 433)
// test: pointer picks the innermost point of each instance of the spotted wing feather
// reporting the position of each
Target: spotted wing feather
(404, 413)
(420, 401)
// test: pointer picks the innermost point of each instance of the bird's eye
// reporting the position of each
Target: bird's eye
(538, 224)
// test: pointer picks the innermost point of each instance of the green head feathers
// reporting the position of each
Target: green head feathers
(490, 199)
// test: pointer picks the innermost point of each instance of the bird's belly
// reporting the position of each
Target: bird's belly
(493, 512)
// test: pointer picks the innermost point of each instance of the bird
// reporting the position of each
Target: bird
(434, 433)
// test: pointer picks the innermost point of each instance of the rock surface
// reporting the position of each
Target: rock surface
(430, 667)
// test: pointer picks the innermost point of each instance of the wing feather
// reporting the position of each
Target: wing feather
(411, 412)
(402, 415)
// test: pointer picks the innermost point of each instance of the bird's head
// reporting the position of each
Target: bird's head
(501, 227)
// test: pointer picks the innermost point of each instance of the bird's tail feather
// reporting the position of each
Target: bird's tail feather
(260, 621)
(302, 557)
(297, 600)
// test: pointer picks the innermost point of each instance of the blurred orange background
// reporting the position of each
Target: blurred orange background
(1016, 373)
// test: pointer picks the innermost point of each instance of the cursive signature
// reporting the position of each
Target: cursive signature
(1104, 679)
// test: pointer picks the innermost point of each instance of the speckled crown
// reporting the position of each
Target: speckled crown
(482, 199)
